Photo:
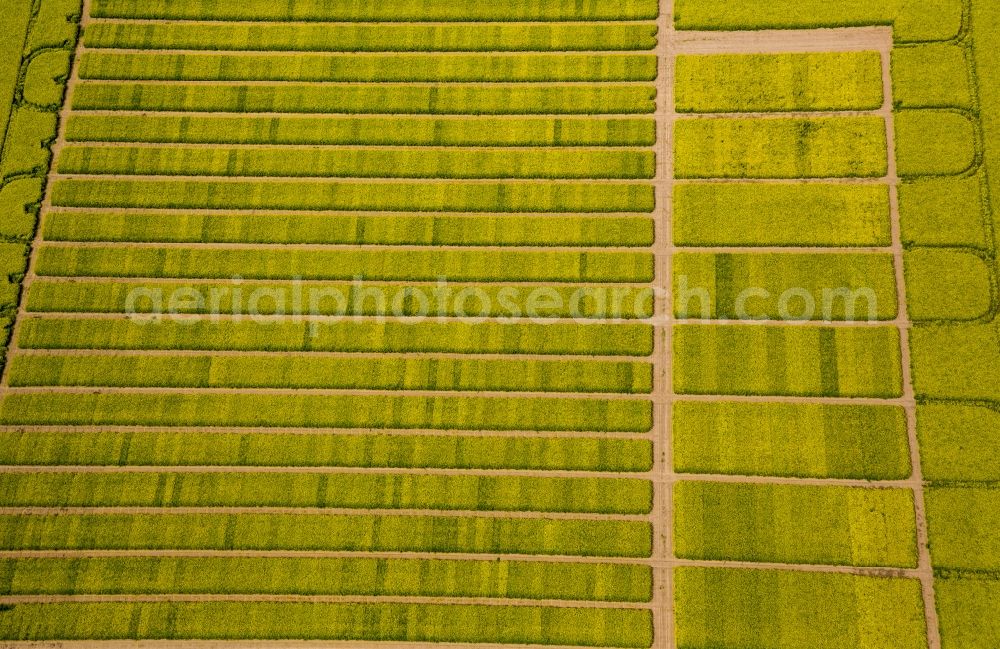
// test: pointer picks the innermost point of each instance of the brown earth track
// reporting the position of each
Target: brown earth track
(664, 634)
(779, 41)
(926, 566)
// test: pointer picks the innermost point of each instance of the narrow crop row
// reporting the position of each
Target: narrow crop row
(401, 11)
(303, 410)
(562, 197)
(383, 37)
(348, 491)
(354, 622)
(324, 449)
(599, 339)
(480, 535)
(346, 264)
(306, 372)
(385, 131)
(340, 576)
(374, 68)
(146, 296)
(359, 163)
(368, 99)
(380, 229)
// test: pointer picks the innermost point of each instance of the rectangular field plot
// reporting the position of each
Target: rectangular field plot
(357, 622)
(795, 524)
(318, 195)
(341, 336)
(385, 131)
(743, 83)
(315, 411)
(585, 301)
(796, 610)
(734, 214)
(957, 362)
(384, 37)
(822, 147)
(340, 576)
(361, 533)
(343, 491)
(785, 285)
(791, 440)
(965, 527)
(959, 442)
(309, 372)
(402, 11)
(376, 68)
(373, 229)
(787, 360)
(357, 163)
(345, 264)
(968, 606)
(511, 99)
(325, 449)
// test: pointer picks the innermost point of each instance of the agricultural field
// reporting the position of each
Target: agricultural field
(660, 324)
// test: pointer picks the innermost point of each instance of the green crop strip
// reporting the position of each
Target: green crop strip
(384, 37)
(392, 577)
(375, 68)
(359, 163)
(397, 130)
(357, 622)
(357, 196)
(350, 491)
(402, 11)
(322, 449)
(582, 301)
(392, 265)
(342, 336)
(305, 372)
(315, 411)
(409, 229)
(361, 99)
(481, 535)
